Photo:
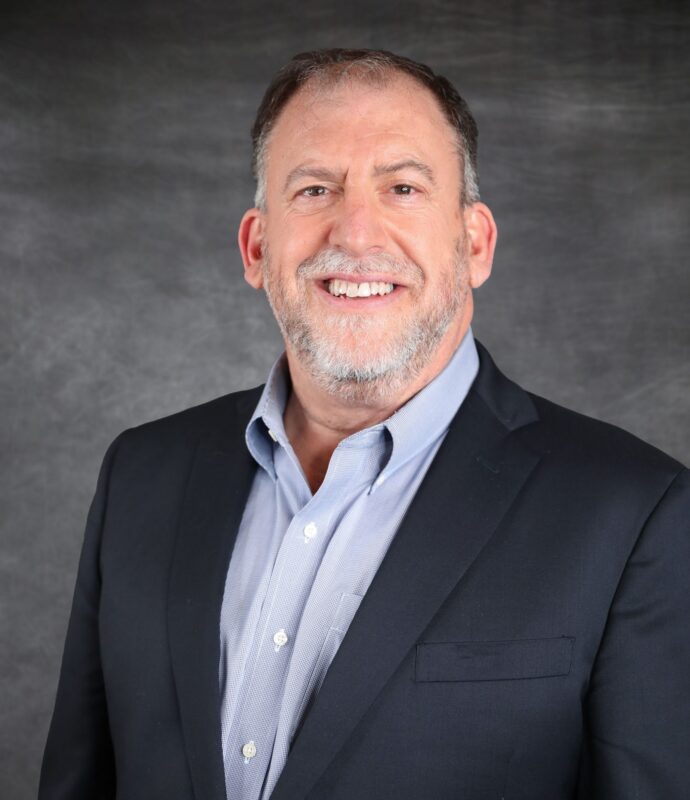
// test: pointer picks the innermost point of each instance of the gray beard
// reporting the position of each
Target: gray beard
(386, 374)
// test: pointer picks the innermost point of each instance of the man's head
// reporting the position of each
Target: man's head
(376, 67)
(366, 186)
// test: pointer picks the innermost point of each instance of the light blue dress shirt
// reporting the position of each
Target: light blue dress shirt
(302, 562)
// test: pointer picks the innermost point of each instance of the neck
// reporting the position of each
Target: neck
(316, 421)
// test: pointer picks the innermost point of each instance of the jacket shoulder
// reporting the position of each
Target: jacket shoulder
(568, 434)
(568, 437)
(220, 419)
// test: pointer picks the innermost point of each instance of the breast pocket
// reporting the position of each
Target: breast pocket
(493, 661)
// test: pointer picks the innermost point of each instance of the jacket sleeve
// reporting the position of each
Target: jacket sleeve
(637, 709)
(78, 762)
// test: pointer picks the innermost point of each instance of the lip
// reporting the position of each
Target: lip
(358, 304)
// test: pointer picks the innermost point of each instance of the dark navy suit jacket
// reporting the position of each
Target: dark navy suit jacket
(525, 638)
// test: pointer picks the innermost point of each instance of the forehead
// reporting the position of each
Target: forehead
(355, 118)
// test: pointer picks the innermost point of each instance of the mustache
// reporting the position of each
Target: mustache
(330, 260)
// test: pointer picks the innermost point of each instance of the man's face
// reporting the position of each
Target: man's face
(364, 251)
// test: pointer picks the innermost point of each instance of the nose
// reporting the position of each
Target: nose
(357, 228)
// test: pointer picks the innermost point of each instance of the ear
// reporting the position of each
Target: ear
(481, 235)
(250, 240)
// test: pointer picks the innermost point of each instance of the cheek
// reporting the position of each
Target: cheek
(295, 243)
(431, 237)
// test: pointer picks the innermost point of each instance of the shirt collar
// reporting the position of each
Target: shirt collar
(427, 415)
(266, 424)
(414, 426)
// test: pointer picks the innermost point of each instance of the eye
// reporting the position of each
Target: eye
(313, 191)
(403, 189)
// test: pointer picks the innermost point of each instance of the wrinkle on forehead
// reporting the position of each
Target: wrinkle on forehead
(322, 93)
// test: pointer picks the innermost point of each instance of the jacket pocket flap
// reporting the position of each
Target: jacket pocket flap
(493, 661)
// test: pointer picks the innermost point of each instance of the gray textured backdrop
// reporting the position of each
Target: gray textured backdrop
(124, 155)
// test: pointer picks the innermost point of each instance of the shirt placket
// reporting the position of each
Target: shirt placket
(255, 725)
(251, 747)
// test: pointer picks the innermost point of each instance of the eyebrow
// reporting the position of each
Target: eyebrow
(318, 173)
(408, 163)
(328, 175)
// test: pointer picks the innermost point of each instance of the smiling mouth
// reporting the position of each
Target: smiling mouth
(341, 288)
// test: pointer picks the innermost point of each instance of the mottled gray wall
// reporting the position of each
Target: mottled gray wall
(123, 173)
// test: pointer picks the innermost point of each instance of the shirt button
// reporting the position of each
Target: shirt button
(248, 751)
(310, 531)
(380, 480)
(280, 638)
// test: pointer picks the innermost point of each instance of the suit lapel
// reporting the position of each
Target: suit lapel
(216, 494)
(474, 479)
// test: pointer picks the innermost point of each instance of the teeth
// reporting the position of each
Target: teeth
(338, 288)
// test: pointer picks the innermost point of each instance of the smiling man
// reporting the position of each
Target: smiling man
(390, 572)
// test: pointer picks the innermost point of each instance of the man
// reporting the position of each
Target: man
(391, 572)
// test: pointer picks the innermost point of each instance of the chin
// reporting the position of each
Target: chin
(373, 393)
(365, 375)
